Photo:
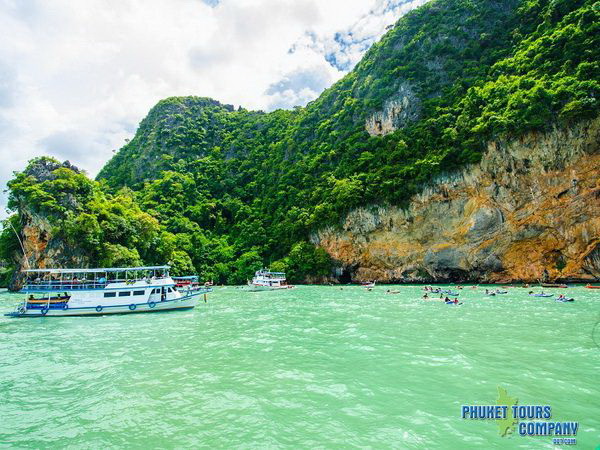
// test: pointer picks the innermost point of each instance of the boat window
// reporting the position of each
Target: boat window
(169, 290)
(124, 293)
(138, 292)
(156, 291)
(110, 294)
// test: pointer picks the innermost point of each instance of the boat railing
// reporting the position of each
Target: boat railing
(70, 285)
(62, 286)
(195, 291)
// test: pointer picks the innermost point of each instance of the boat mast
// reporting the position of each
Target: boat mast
(21, 243)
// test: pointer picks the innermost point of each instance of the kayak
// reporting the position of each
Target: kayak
(501, 292)
(454, 294)
(452, 303)
(565, 300)
(541, 295)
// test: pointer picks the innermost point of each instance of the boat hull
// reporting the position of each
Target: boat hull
(182, 303)
(253, 288)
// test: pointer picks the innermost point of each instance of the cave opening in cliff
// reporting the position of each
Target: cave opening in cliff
(344, 276)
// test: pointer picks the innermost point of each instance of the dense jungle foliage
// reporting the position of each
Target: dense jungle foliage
(221, 191)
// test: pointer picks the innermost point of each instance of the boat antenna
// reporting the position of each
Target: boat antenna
(21, 243)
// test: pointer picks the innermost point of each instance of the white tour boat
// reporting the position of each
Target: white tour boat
(265, 280)
(79, 292)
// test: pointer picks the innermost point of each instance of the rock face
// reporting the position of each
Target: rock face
(43, 249)
(529, 210)
(397, 111)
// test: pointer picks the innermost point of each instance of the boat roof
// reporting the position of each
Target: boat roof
(189, 277)
(102, 270)
(265, 271)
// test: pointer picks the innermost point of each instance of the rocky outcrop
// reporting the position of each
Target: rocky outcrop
(529, 210)
(42, 246)
(402, 108)
(44, 250)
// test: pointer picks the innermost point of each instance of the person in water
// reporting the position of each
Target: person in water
(425, 296)
(446, 299)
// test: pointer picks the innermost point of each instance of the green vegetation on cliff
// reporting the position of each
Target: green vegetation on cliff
(108, 229)
(234, 189)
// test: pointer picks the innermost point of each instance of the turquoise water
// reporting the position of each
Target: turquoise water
(309, 367)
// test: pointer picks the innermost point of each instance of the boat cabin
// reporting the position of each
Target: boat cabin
(44, 280)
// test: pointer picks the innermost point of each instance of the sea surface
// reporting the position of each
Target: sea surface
(311, 367)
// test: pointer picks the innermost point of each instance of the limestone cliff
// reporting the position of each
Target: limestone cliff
(402, 108)
(43, 247)
(529, 210)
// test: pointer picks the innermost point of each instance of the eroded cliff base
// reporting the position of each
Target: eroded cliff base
(529, 211)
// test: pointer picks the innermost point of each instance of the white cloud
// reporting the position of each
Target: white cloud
(77, 77)
(343, 48)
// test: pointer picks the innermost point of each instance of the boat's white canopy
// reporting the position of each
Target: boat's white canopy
(268, 272)
(104, 270)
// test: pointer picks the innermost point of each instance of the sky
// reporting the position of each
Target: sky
(77, 77)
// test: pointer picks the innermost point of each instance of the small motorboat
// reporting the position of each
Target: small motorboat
(368, 284)
(190, 283)
(589, 286)
(564, 300)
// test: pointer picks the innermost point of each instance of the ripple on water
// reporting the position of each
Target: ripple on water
(313, 367)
